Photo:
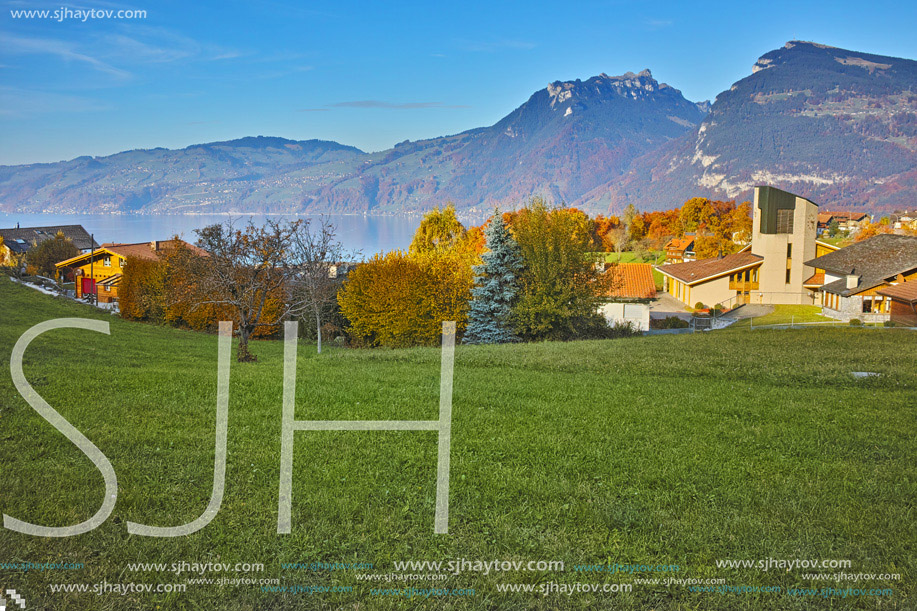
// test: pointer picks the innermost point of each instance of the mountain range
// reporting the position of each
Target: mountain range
(837, 126)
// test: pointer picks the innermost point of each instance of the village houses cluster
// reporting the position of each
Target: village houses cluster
(788, 260)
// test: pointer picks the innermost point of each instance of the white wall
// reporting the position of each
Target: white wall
(637, 314)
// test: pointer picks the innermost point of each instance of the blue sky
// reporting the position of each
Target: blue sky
(371, 74)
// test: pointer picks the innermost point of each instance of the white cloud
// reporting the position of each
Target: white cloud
(15, 102)
(58, 48)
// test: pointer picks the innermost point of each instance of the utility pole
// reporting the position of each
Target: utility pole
(92, 279)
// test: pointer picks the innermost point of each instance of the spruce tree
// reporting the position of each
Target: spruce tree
(495, 287)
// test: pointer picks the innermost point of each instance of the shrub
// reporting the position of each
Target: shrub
(699, 305)
(625, 329)
(141, 291)
(41, 258)
(560, 288)
(397, 300)
(669, 322)
(856, 322)
(888, 323)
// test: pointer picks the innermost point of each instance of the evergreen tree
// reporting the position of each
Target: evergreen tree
(495, 287)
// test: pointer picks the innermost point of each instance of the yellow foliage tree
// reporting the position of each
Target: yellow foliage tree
(401, 299)
(439, 230)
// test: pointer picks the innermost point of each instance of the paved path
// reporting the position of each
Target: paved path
(749, 311)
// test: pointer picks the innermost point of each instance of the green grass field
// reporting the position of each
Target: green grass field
(631, 257)
(676, 450)
(785, 315)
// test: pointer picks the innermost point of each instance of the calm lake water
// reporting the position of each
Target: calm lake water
(367, 234)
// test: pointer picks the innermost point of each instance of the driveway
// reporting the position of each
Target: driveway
(665, 305)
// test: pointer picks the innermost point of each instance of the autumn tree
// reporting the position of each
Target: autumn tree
(41, 258)
(397, 300)
(617, 239)
(247, 273)
(438, 230)
(401, 299)
(313, 257)
(721, 228)
(662, 227)
(142, 290)
(560, 287)
(693, 213)
(870, 230)
(602, 226)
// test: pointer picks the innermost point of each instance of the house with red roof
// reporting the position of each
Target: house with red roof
(679, 250)
(631, 287)
(849, 220)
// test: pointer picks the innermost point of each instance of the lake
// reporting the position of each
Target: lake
(367, 234)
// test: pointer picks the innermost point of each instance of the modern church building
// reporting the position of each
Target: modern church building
(770, 270)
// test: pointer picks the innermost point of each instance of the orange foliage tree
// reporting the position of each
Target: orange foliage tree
(871, 230)
(717, 232)
(142, 291)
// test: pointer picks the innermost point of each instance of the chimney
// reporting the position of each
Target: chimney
(852, 280)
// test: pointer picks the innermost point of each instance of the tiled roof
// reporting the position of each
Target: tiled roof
(141, 250)
(824, 218)
(816, 279)
(906, 291)
(839, 287)
(680, 243)
(696, 271)
(632, 281)
(874, 260)
(846, 215)
(20, 239)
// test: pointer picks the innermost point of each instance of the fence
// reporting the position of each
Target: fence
(830, 324)
(699, 323)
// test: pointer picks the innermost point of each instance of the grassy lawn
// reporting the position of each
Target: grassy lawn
(840, 240)
(630, 257)
(677, 450)
(786, 314)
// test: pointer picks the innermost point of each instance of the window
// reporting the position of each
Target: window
(789, 250)
(106, 261)
(867, 305)
(788, 270)
(785, 221)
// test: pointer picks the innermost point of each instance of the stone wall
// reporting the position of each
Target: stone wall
(850, 308)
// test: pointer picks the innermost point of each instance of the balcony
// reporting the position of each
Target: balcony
(743, 285)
